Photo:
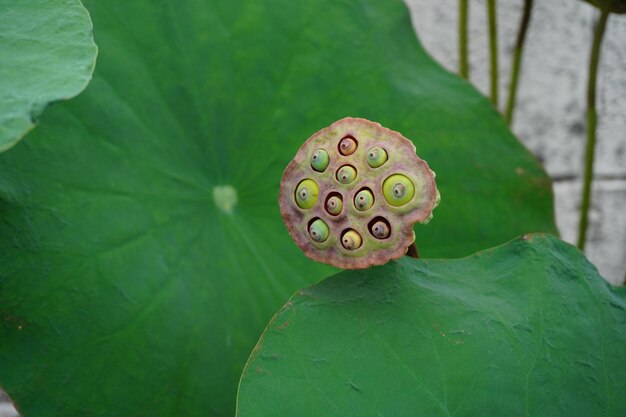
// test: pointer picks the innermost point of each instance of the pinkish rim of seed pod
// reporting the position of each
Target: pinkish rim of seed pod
(292, 217)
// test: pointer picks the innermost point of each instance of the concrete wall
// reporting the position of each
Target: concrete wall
(6, 408)
(550, 118)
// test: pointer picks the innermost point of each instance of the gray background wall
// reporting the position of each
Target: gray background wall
(550, 118)
(6, 409)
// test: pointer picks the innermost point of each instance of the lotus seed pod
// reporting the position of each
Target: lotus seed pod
(306, 194)
(343, 229)
(320, 160)
(351, 240)
(347, 146)
(346, 174)
(398, 190)
(319, 231)
(363, 200)
(334, 205)
(376, 157)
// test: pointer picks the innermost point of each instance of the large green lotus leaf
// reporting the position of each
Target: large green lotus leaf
(47, 53)
(525, 329)
(142, 250)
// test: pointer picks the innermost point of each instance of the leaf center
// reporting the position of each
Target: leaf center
(225, 197)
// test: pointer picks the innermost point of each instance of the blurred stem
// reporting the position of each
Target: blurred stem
(493, 50)
(592, 120)
(412, 251)
(517, 60)
(463, 39)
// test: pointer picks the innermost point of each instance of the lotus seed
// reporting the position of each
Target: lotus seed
(334, 205)
(319, 160)
(351, 240)
(347, 146)
(363, 200)
(398, 190)
(319, 231)
(376, 157)
(380, 230)
(306, 194)
(346, 174)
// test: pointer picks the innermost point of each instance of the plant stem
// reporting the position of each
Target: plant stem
(592, 120)
(493, 50)
(412, 251)
(463, 39)
(517, 60)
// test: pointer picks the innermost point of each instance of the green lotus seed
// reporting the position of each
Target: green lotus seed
(398, 190)
(306, 194)
(334, 205)
(363, 200)
(319, 231)
(347, 146)
(319, 160)
(346, 174)
(376, 157)
(380, 230)
(351, 240)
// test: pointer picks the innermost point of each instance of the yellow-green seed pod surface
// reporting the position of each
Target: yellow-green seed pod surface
(363, 200)
(319, 231)
(398, 190)
(351, 240)
(346, 174)
(376, 157)
(306, 194)
(334, 205)
(320, 160)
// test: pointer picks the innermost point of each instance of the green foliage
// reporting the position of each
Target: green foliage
(525, 329)
(614, 6)
(47, 54)
(141, 246)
